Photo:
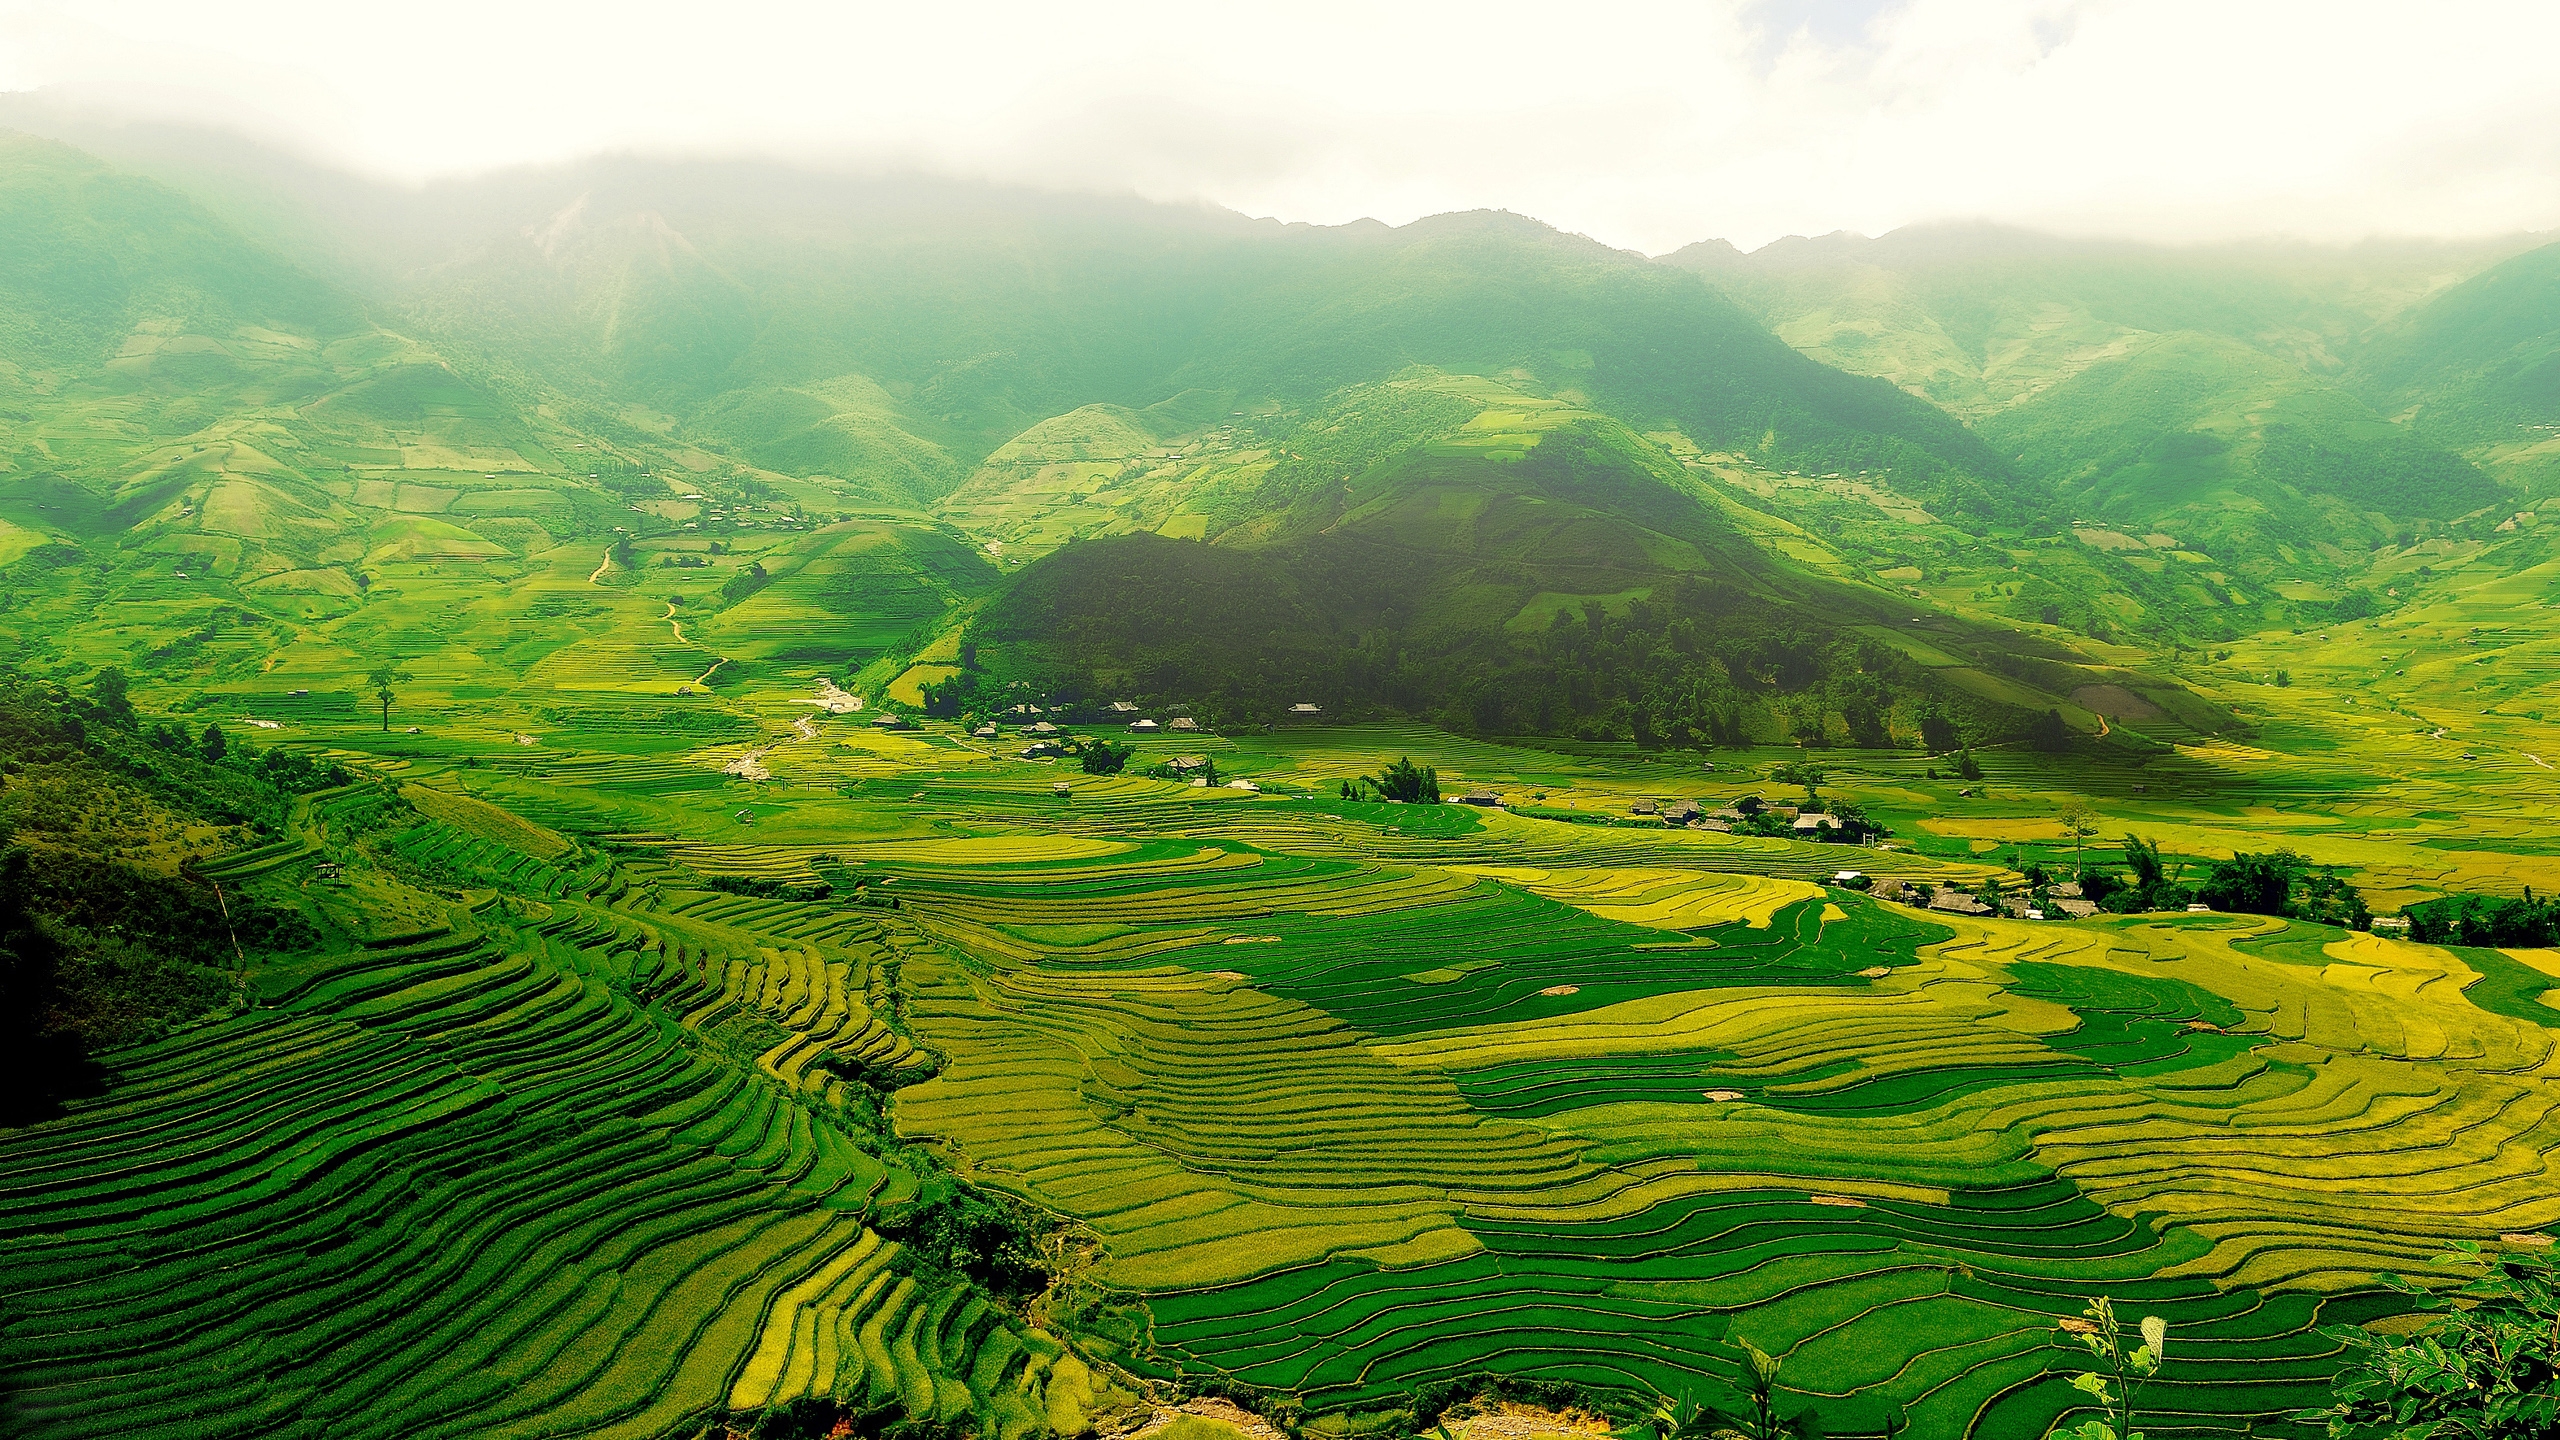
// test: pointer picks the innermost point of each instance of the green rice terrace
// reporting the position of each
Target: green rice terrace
(611, 1090)
(1395, 820)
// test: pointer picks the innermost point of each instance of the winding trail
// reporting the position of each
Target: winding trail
(677, 626)
(602, 566)
(2538, 760)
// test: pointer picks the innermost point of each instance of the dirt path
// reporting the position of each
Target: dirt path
(1226, 1411)
(601, 567)
(676, 625)
(806, 726)
(749, 766)
(2538, 760)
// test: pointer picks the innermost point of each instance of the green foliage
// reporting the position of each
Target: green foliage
(2486, 1367)
(2122, 1371)
(769, 889)
(957, 1230)
(2281, 883)
(1408, 784)
(1102, 757)
(1804, 773)
(382, 677)
(2488, 920)
(744, 583)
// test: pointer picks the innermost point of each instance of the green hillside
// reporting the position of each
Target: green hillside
(2218, 442)
(2205, 401)
(2478, 368)
(1505, 564)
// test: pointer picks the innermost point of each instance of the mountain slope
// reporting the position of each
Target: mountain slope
(2478, 368)
(2223, 444)
(886, 334)
(1532, 568)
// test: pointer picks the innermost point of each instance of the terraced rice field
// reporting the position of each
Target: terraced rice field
(491, 1183)
(1340, 1099)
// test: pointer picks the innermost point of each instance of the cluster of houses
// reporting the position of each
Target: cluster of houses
(2062, 901)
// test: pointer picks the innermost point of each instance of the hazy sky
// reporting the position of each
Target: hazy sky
(1644, 125)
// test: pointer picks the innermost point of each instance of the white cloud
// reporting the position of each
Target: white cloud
(1646, 125)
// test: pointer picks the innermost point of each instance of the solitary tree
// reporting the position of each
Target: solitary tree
(382, 677)
(2079, 821)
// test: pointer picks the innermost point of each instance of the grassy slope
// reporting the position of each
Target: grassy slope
(2478, 368)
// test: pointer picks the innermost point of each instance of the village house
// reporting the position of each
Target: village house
(1143, 727)
(1480, 797)
(1816, 827)
(1182, 722)
(887, 721)
(1956, 902)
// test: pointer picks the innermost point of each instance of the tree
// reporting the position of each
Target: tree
(382, 677)
(1804, 773)
(2486, 920)
(1965, 766)
(1408, 783)
(2249, 884)
(2142, 857)
(2048, 733)
(212, 745)
(2125, 1370)
(1938, 732)
(108, 693)
(1105, 758)
(2486, 1367)
(2079, 821)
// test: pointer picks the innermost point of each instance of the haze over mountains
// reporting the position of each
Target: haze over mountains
(270, 376)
